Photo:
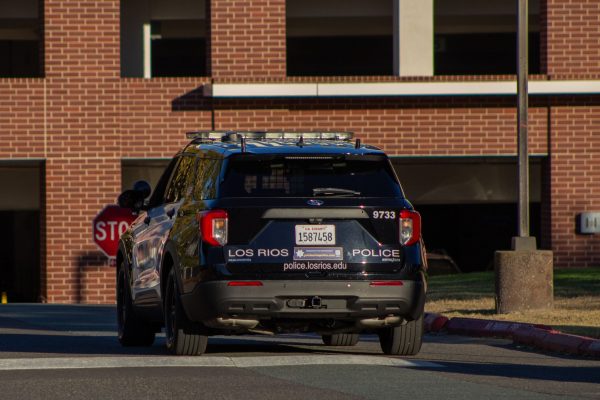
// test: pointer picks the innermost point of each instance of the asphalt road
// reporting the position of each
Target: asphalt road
(71, 352)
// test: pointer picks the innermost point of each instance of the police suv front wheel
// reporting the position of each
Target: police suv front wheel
(183, 336)
(131, 330)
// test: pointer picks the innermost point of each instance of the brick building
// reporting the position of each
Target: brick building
(97, 94)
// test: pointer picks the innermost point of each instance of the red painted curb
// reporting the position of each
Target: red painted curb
(434, 322)
(538, 336)
(523, 336)
(591, 349)
(487, 327)
(565, 343)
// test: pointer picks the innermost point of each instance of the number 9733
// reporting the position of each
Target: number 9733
(384, 214)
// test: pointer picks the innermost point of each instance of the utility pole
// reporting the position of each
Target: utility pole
(524, 276)
(523, 241)
(523, 106)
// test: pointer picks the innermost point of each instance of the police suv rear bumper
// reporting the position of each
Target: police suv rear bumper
(289, 299)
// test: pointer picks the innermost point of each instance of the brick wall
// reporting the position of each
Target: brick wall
(83, 153)
(572, 38)
(22, 118)
(92, 116)
(82, 118)
(435, 126)
(575, 173)
(155, 114)
(247, 38)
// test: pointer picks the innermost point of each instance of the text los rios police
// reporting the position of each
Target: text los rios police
(387, 253)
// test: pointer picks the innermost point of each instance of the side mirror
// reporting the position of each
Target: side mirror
(143, 188)
(134, 198)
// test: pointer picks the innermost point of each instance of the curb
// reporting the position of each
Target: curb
(542, 337)
(434, 322)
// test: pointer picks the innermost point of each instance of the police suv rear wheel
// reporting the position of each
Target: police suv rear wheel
(403, 340)
(183, 336)
(341, 339)
(131, 330)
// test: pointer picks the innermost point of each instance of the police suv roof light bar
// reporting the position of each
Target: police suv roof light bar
(230, 136)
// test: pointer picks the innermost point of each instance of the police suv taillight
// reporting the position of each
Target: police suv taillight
(410, 227)
(213, 227)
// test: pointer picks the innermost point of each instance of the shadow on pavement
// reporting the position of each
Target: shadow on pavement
(91, 330)
(49, 342)
(538, 372)
(58, 317)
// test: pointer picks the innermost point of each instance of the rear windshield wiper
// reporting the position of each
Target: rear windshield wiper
(329, 191)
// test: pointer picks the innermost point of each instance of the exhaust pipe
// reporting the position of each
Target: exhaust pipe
(231, 323)
(373, 323)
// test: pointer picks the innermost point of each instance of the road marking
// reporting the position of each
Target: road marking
(205, 361)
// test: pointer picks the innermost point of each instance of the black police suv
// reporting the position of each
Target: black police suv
(272, 232)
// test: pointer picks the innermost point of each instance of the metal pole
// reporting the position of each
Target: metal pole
(522, 105)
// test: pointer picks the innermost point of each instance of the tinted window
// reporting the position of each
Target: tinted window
(206, 179)
(180, 181)
(299, 176)
(158, 195)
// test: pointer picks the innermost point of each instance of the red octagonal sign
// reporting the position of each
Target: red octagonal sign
(109, 225)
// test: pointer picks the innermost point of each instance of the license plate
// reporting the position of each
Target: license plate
(315, 234)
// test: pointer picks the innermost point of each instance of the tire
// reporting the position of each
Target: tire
(183, 336)
(404, 340)
(132, 331)
(341, 339)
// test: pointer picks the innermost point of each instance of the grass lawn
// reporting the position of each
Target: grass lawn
(576, 300)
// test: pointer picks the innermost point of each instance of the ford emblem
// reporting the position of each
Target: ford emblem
(313, 202)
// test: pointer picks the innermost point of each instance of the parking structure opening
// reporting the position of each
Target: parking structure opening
(20, 231)
(469, 205)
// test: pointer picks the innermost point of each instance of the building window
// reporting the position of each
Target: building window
(20, 39)
(474, 37)
(141, 169)
(339, 37)
(163, 38)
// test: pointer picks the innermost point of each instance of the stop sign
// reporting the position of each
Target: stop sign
(109, 225)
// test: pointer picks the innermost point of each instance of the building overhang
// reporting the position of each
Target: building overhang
(395, 89)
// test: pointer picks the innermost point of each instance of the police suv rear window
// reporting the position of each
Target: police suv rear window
(309, 176)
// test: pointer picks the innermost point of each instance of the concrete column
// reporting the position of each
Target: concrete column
(524, 280)
(413, 37)
(147, 51)
(134, 14)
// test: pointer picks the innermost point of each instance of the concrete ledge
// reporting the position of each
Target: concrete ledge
(385, 89)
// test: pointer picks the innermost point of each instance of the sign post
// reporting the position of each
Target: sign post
(108, 226)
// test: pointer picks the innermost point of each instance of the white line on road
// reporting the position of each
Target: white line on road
(205, 361)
